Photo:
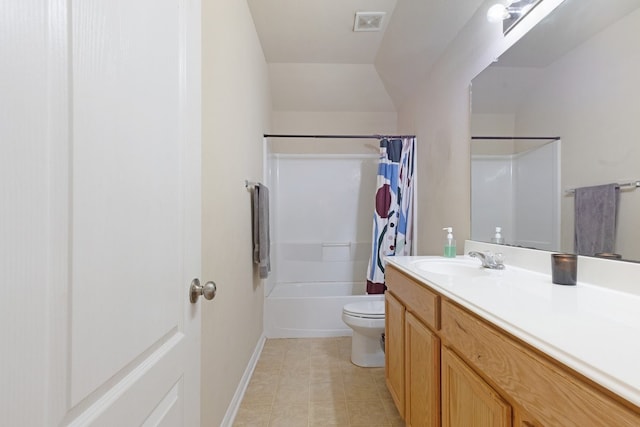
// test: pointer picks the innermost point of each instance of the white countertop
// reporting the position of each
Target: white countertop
(592, 329)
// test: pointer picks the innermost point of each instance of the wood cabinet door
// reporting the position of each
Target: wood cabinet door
(467, 400)
(422, 374)
(522, 418)
(394, 350)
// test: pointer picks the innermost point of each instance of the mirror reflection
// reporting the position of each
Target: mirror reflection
(574, 76)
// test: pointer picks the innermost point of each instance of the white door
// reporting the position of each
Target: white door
(99, 212)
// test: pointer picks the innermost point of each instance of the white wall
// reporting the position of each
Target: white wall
(492, 125)
(574, 99)
(439, 115)
(328, 87)
(236, 113)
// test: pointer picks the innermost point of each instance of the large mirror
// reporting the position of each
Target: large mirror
(575, 76)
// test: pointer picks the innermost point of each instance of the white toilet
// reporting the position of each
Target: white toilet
(367, 321)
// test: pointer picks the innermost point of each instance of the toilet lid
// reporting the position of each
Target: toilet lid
(366, 309)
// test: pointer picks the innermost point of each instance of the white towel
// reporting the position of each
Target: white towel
(261, 238)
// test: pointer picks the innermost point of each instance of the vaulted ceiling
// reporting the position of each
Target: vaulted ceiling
(318, 63)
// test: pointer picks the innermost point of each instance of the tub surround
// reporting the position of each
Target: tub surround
(591, 328)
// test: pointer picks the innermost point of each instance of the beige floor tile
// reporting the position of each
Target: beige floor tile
(292, 379)
(268, 366)
(324, 359)
(383, 391)
(272, 357)
(293, 364)
(320, 342)
(367, 413)
(325, 367)
(289, 415)
(345, 357)
(344, 343)
(392, 413)
(326, 414)
(344, 353)
(360, 392)
(332, 391)
(298, 344)
(325, 347)
(348, 367)
(255, 396)
(297, 347)
(376, 373)
(320, 374)
(312, 382)
(296, 358)
(265, 377)
(276, 343)
(387, 399)
(359, 377)
(296, 364)
(297, 374)
(252, 416)
(292, 393)
(397, 422)
(274, 346)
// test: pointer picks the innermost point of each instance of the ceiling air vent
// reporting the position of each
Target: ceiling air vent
(368, 21)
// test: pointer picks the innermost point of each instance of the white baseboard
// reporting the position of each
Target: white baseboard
(232, 410)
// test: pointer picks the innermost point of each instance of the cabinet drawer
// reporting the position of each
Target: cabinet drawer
(417, 298)
(550, 393)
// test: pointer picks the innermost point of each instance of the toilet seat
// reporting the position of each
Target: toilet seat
(365, 309)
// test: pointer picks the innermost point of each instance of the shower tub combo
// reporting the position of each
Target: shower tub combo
(321, 241)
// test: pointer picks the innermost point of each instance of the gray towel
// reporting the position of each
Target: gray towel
(261, 238)
(595, 219)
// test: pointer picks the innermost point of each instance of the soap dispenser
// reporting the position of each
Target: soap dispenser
(497, 238)
(449, 243)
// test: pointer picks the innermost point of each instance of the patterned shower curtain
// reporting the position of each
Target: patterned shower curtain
(393, 216)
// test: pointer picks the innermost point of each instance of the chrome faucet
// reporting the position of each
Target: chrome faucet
(489, 259)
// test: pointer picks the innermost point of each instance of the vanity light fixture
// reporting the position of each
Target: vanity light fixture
(510, 12)
(498, 12)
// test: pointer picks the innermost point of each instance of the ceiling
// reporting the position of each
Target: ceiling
(318, 63)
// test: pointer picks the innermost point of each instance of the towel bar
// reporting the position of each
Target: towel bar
(330, 245)
(633, 185)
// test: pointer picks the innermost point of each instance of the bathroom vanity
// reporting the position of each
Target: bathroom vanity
(467, 346)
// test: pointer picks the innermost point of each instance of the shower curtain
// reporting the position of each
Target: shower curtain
(393, 216)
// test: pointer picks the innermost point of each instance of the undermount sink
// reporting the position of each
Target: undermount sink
(464, 268)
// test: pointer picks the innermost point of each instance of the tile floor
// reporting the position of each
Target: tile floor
(311, 382)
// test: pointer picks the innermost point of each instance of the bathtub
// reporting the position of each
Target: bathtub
(305, 310)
